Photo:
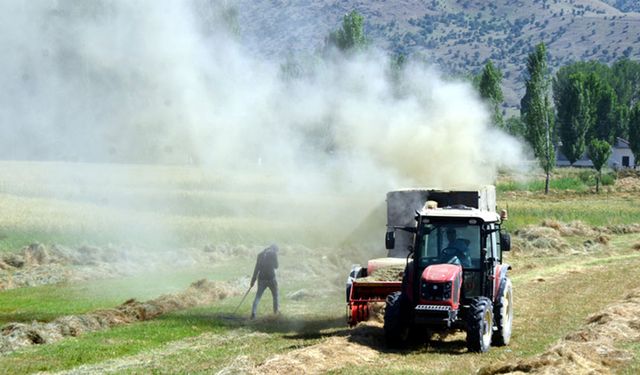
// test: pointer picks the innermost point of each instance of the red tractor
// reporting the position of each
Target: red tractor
(454, 278)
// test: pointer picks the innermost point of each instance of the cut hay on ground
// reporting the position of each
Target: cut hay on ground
(591, 350)
(574, 228)
(549, 237)
(330, 354)
(535, 240)
(627, 184)
(202, 292)
(37, 265)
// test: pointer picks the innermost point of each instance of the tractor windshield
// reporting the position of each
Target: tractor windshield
(450, 242)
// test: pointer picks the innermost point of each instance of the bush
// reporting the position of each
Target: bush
(608, 179)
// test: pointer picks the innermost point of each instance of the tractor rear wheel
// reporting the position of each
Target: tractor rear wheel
(503, 311)
(480, 325)
(396, 324)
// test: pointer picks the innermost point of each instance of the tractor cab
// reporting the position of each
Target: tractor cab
(466, 237)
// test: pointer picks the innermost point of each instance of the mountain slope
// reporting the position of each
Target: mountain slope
(457, 35)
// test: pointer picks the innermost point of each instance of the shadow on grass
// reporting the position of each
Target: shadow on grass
(297, 328)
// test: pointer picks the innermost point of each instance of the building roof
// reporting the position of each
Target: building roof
(621, 143)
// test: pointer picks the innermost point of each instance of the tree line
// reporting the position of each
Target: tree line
(584, 107)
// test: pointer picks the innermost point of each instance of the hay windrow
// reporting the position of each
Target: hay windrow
(628, 184)
(536, 240)
(37, 264)
(330, 354)
(202, 292)
(590, 350)
(550, 238)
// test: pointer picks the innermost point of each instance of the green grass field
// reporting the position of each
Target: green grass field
(161, 207)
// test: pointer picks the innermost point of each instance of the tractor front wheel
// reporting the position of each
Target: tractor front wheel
(396, 324)
(503, 310)
(480, 325)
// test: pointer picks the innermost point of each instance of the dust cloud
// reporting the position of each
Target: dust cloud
(172, 83)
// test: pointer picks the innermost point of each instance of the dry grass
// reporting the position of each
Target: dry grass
(589, 350)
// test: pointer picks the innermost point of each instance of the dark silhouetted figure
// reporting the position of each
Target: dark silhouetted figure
(461, 247)
(265, 273)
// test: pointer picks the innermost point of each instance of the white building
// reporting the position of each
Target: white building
(621, 157)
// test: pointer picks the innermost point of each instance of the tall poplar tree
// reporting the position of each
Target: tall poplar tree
(572, 104)
(491, 91)
(604, 124)
(535, 108)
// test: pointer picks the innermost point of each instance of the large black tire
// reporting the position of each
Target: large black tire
(503, 311)
(480, 325)
(396, 321)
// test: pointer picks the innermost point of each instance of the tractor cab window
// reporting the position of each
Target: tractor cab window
(457, 243)
(491, 243)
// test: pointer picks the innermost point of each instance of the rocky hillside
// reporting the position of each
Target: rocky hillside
(457, 35)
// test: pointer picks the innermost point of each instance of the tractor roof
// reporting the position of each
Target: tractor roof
(458, 212)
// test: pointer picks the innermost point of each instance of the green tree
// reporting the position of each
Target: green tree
(535, 110)
(350, 37)
(491, 91)
(514, 126)
(605, 107)
(621, 119)
(561, 79)
(634, 132)
(397, 65)
(604, 121)
(625, 78)
(572, 107)
(599, 152)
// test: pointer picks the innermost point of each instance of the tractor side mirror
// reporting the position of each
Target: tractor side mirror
(390, 240)
(505, 241)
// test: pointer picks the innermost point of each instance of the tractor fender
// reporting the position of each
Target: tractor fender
(501, 280)
(356, 272)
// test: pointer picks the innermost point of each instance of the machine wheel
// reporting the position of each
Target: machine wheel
(480, 325)
(396, 324)
(503, 311)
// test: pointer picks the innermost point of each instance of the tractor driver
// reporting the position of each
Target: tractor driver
(457, 247)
